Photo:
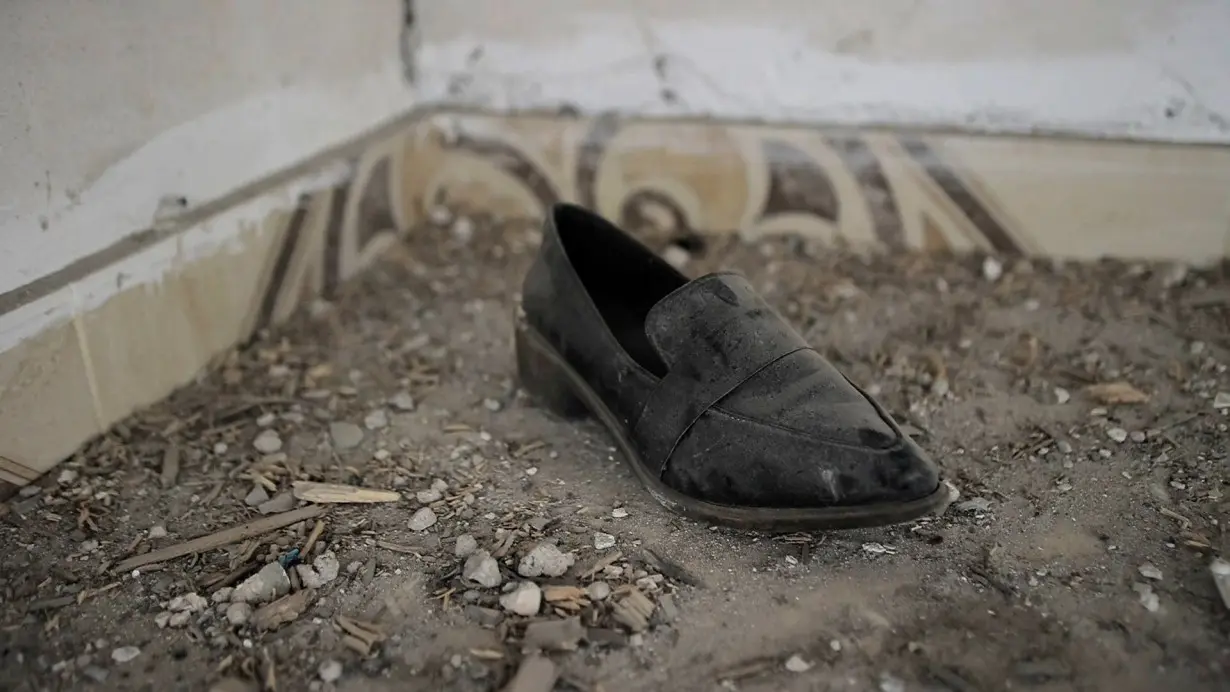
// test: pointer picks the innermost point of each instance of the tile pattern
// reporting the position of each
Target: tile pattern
(1012, 196)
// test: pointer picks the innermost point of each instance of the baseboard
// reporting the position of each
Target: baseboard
(84, 368)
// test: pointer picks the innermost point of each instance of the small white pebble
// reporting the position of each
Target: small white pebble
(403, 401)
(267, 442)
(1117, 434)
(422, 520)
(465, 545)
(238, 614)
(428, 496)
(992, 269)
(1150, 571)
(1148, 598)
(330, 671)
(124, 654)
(376, 420)
(598, 590)
(797, 664)
(463, 229)
(891, 683)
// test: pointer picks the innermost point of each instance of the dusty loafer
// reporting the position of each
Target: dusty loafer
(720, 407)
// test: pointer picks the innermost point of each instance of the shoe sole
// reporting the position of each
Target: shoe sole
(551, 381)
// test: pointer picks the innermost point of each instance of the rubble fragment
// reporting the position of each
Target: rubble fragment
(482, 569)
(525, 599)
(286, 609)
(269, 583)
(545, 560)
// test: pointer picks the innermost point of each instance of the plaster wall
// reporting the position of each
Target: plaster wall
(1144, 69)
(109, 108)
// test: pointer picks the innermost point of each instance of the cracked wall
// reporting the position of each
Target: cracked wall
(1143, 69)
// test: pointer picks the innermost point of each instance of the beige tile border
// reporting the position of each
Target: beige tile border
(1013, 196)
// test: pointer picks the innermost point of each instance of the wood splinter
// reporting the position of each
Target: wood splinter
(251, 529)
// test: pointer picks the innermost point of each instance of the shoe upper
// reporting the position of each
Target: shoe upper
(723, 399)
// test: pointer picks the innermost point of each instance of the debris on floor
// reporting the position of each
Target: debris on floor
(363, 499)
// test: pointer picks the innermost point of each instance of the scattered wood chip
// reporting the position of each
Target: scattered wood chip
(285, 609)
(335, 493)
(536, 674)
(170, 466)
(505, 545)
(522, 450)
(748, 669)
(261, 480)
(314, 536)
(1186, 523)
(1116, 393)
(361, 635)
(401, 548)
(269, 672)
(218, 539)
(633, 611)
(50, 603)
(671, 569)
(602, 563)
(552, 594)
(219, 581)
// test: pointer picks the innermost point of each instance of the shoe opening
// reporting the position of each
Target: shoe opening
(623, 277)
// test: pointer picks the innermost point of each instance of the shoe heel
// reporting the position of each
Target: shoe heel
(543, 378)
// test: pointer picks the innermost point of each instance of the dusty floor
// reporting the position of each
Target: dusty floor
(1075, 559)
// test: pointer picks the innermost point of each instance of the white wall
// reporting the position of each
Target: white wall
(1149, 69)
(105, 107)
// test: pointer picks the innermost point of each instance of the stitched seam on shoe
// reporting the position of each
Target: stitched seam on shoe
(665, 462)
(798, 433)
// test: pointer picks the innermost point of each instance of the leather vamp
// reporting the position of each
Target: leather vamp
(719, 322)
(804, 393)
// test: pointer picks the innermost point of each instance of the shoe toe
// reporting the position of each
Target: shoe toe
(729, 460)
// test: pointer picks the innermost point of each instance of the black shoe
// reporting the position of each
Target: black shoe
(721, 408)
